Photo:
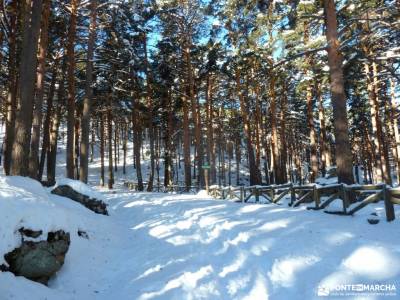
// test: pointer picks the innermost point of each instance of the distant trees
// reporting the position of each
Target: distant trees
(261, 91)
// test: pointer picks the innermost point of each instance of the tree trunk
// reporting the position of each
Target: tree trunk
(40, 81)
(110, 150)
(324, 149)
(85, 123)
(394, 116)
(124, 146)
(23, 122)
(278, 174)
(195, 116)
(11, 104)
(102, 141)
(344, 159)
(186, 142)
(149, 96)
(136, 144)
(255, 174)
(311, 127)
(46, 125)
(210, 130)
(168, 176)
(70, 157)
(283, 150)
(384, 154)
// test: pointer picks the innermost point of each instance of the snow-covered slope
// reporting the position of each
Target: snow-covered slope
(159, 246)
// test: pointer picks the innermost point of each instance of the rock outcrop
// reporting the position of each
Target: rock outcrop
(38, 261)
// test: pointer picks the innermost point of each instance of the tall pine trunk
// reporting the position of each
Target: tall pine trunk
(85, 123)
(136, 143)
(344, 159)
(23, 122)
(52, 151)
(47, 120)
(149, 96)
(11, 104)
(70, 155)
(40, 82)
(110, 148)
(255, 174)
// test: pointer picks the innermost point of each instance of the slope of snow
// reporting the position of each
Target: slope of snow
(160, 246)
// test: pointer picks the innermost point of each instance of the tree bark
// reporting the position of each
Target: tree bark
(52, 151)
(394, 116)
(40, 81)
(11, 104)
(278, 174)
(186, 142)
(85, 123)
(344, 159)
(255, 174)
(136, 143)
(149, 96)
(47, 121)
(110, 146)
(23, 122)
(102, 141)
(70, 155)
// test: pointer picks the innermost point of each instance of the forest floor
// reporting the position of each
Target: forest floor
(163, 246)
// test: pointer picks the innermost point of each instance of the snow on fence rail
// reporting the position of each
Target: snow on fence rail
(353, 197)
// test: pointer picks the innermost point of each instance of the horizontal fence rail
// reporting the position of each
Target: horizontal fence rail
(353, 197)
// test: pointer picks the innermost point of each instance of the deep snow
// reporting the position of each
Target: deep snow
(162, 246)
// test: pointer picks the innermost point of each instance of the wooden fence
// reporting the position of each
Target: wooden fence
(180, 189)
(353, 197)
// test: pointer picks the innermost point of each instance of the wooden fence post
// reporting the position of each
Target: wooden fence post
(256, 193)
(345, 199)
(316, 197)
(389, 208)
(292, 195)
(272, 194)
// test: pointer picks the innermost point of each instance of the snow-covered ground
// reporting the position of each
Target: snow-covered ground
(163, 246)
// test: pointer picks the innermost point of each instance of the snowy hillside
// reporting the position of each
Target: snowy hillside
(160, 246)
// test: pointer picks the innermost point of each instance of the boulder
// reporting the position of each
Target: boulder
(93, 204)
(39, 261)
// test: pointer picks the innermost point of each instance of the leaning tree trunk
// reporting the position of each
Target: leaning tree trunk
(23, 122)
(70, 155)
(344, 159)
(40, 81)
(85, 123)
